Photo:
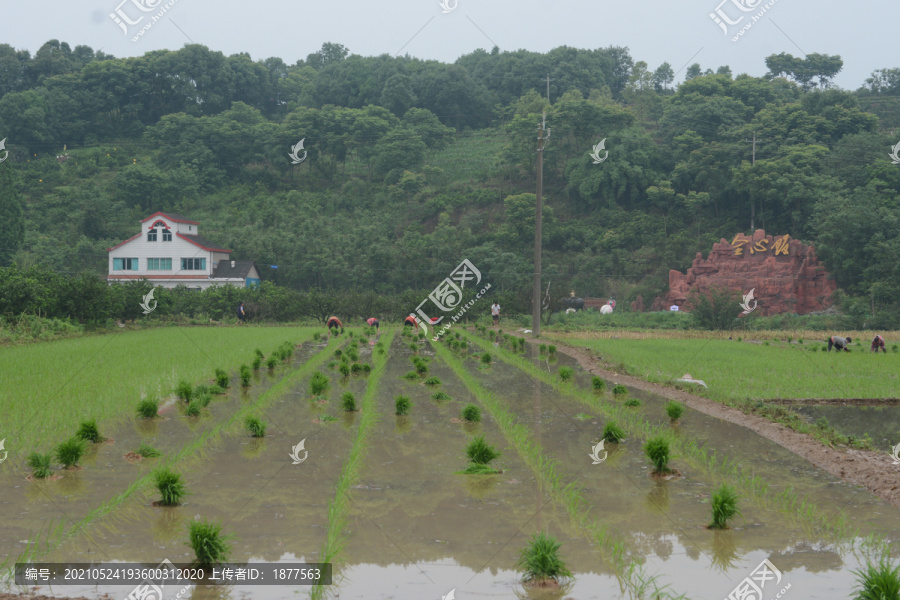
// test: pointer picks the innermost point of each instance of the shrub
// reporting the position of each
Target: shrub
(210, 546)
(88, 432)
(613, 433)
(657, 450)
(632, 402)
(598, 384)
(272, 361)
(184, 390)
(402, 405)
(878, 582)
(724, 506)
(222, 378)
(254, 426)
(674, 410)
(485, 359)
(148, 408)
(566, 373)
(193, 408)
(480, 452)
(318, 383)
(440, 396)
(147, 451)
(411, 375)
(40, 465)
(348, 402)
(619, 389)
(432, 381)
(170, 486)
(245, 375)
(69, 452)
(540, 560)
(471, 413)
(344, 369)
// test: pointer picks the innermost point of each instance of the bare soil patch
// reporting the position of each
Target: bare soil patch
(872, 470)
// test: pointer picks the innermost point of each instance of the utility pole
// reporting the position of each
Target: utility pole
(536, 291)
(752, 202)
(548, 88)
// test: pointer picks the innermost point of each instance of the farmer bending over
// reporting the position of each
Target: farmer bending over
(373, 322)
(839, 343)
(410, 321)
(878, 344)
(334, 323)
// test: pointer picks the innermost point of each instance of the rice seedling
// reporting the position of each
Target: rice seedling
(566, 373)
(471, 413)
(440, 396)
(421, 335)
(88, 432)
(432, 381)
(329, 419)
(348, 402)
(366, 368)
(69, 452)
(598, 384)
(272, 361)
(724, 506)
(480, 455)
(619, 389)
(353, 354)
(356, 368)
(657, 450)
(421, 367)
(631, 402)
(204, 399)
(486, 359)
(210, 546)
(414, 347)
(259, 354)
(246, 374)
(193, 408)
(612, 433)
(257, 363)
(148, 408)
(202, 388)
(412, 375)
(551, 349)
(402, 405)
(184, 390)
(170, 486)
(674, 410)
(148, 451)
(542, 349)
(222, 378)
(332, 364)
(254, 426)
(878, 581)
(540, 561)
(40, 465)
(318, 383)
(338, 353)
(344, 369)
(316, 336)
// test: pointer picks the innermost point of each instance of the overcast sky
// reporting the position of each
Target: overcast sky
(656, 31)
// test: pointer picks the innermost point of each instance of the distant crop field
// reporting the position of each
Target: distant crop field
(740, 370)
(469, 156)
(47, 388)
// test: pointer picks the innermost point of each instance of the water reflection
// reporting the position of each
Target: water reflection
(658, 497)
(527, 592)
(724, 550)
(480, 486)
(253, 447)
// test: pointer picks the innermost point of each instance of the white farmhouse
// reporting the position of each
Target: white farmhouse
(169, 251)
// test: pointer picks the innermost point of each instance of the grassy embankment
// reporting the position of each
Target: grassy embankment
(49, 386)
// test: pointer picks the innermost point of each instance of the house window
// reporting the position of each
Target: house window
(125, 264)
(159, 264)
(167, 235)
(193, 264)
(151, 235)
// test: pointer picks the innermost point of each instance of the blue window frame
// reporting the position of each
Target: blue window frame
(125, 264)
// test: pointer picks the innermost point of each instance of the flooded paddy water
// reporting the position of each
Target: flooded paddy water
(417, 528)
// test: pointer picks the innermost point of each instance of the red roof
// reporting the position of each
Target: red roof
(201, 242)
(171, 217)
(134, 237)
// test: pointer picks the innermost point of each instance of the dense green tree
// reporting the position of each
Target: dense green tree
(12, 215)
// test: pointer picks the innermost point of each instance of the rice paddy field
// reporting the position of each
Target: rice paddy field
(402, 490)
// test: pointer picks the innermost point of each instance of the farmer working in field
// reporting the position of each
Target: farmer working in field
(495, 313)
(410, 321)
(839, 343)
(334, 323)
(878, 344)
(373, 322)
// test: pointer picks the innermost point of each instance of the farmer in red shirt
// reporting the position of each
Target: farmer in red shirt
(334, 323)
(878, 344)
(373, 322)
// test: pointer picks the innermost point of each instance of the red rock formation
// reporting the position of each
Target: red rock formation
(785, 273)
(638, 304)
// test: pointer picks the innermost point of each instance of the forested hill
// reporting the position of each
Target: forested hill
(414, 165)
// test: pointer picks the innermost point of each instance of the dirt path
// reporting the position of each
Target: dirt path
(872, 470)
